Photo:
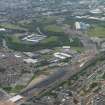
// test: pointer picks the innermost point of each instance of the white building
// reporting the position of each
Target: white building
(29, 60)
(66, 47)
(77, 25)
(16, 98)
(62, 55)
(2, 29)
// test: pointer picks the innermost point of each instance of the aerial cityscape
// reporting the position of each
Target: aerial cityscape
(52, 52)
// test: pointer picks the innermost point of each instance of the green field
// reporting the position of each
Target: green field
(78, 49)
(54, 32)
(15, 42)
(15, 39)
(12, 26)
(53, 28)
(50, 39)
(11, 89)
(96, 31)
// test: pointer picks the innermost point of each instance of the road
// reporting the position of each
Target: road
(86, 41)
(43, 84)
(61, 75)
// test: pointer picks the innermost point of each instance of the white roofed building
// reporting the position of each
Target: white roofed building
(77, 25)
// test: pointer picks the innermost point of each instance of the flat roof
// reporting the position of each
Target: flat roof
(16, 98)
